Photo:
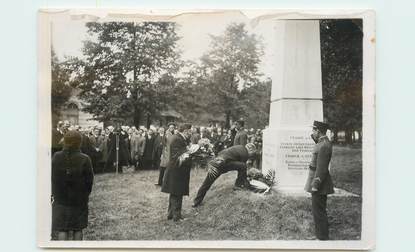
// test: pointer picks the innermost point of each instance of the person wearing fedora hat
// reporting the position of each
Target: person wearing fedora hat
(319, 182)
(177, 174)
(230, 159)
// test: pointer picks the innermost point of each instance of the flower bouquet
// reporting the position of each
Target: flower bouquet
(201, 152)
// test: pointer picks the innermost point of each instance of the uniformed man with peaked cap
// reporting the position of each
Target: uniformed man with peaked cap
(319, 182)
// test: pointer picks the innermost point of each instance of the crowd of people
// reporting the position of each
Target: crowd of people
(77, 152)
(145, 148)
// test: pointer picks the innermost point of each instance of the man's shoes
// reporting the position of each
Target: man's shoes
(237, 188)
(179, 219)
(242, 186)
(169, 217)
(157, 184)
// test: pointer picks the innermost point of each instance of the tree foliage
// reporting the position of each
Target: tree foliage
(60, 88)
(341, 54)
(189, 94)
(254, 104)
(230, 65)
(127, 69)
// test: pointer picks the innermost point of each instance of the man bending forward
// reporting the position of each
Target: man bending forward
(230, 159)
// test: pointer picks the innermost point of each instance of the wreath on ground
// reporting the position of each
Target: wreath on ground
(261, 182)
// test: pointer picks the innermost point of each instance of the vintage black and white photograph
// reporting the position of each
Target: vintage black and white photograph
(250, 130)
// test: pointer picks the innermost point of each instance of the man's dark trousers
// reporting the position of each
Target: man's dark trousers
(175, 207)
(161, 175)
(212, 176)
(319, 206)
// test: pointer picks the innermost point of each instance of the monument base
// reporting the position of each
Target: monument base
(290, 191)
(287, 152)
(300, 192)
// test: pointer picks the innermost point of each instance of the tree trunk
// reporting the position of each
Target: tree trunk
(148, 121)
(137, 117)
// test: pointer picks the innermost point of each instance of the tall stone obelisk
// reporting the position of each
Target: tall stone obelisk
(296, 101)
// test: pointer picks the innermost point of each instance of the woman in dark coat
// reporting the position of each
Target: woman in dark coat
(72, 179)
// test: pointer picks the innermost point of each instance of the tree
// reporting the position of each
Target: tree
(189, 94)
(254, 104)
(342, 59)
(61, 89)
(127, 69)
(231, 65)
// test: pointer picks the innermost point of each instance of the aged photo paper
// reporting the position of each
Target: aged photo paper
(264, 120)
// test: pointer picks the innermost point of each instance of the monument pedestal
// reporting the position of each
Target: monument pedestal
(296, 101)
(288, 152)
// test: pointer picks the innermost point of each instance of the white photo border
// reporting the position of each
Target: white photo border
(45, 19)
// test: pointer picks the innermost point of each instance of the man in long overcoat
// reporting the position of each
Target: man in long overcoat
(159, 143)
(123, 155)
(177, 174)
(138, 143)
(319, 182)
(241, 137)
(164, 159)
(148, 161)
(195, 137)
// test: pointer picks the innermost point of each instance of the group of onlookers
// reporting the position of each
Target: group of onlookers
(146, 148)
(76, 154)
(79, 152)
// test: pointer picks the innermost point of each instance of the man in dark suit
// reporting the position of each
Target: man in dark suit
(159, 143)
(194, 139)
(241, 137)
(148, 161)
(177, 175)
(204, 133)
(117, 136)
(319, 182)
(230, 159)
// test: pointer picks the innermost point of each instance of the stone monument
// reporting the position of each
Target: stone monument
(296, 101)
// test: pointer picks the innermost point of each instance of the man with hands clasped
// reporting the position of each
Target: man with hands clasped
(319, 182)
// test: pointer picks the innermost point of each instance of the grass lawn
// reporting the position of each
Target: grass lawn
(130, 207)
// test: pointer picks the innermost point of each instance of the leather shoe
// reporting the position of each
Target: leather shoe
(180, 219)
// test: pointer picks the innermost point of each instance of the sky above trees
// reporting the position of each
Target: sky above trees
(194, 32)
